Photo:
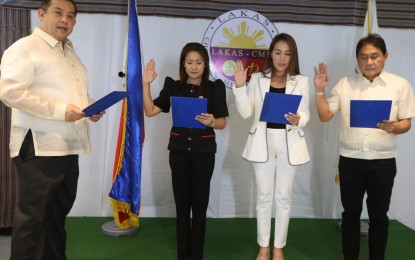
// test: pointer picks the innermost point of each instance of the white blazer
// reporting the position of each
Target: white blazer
(249, 101)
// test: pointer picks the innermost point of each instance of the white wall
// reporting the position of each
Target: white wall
(99, 40)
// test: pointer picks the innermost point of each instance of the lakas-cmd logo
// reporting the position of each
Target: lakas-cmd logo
(238, 35)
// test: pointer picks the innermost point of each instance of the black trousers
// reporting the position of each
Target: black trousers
(47, 188)
(191, 175)
(376, 178)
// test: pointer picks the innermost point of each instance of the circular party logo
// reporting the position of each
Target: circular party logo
(238, 35)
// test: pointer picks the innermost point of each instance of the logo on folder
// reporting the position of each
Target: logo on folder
(238, 35)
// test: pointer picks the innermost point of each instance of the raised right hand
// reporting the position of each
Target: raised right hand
(321, 77)
(240, 74)
(150, 72)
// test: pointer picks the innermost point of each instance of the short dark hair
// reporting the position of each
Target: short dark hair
(374, 39)
(46, 3)
(294, 67)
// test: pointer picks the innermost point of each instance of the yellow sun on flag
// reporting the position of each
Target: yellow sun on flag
(242, 40)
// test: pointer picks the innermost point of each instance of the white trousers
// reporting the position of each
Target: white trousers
(274, 179)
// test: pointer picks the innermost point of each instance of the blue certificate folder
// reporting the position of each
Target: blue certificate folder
(105, 102)
(276, 105)
(368, 113)
(185, 109)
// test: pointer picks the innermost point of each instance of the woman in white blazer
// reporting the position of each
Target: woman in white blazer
(276, 150)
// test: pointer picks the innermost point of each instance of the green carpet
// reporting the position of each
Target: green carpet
(233, 238)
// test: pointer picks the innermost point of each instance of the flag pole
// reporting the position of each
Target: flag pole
(368, 17)
(111, 228)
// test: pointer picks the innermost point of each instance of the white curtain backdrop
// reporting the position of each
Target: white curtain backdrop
(99, 40)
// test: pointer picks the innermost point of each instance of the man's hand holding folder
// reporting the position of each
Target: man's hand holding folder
(99, 106)
(369, 113)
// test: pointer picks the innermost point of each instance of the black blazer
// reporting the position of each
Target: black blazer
(194, 140)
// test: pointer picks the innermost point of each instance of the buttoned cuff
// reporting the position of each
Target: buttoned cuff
(60, 109)
(238, 92)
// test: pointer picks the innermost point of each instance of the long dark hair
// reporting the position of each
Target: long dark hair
(189, 47)
(293, 67)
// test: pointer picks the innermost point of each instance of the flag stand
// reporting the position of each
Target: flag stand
(111, 229)
(364, 228)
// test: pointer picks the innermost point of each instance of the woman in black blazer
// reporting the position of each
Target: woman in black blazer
(192, 150)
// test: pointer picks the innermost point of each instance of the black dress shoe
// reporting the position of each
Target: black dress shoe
(6, 231)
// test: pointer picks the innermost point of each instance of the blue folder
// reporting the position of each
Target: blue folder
(368, 113)
(185, 109)
(276, 105)
(105, 102)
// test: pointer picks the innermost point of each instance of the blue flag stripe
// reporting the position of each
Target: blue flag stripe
(127, 185)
